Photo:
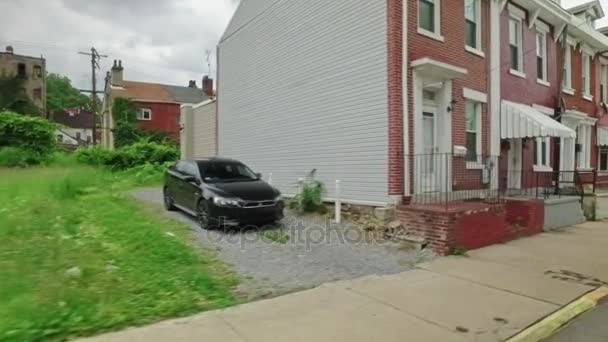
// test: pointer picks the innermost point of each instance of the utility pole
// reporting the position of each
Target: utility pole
(95, 58)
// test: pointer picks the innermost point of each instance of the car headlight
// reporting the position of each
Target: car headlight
(278, 198)
(226, 202)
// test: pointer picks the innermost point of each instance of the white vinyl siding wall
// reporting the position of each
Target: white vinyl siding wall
(197, 136)
(203, 132)
(303, 86)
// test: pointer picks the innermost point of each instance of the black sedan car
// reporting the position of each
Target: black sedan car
(221, 192)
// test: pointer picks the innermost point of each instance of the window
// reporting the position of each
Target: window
(586, 74)
(88, 139)
(515, 44)
(567, 70)
(472, 18)
(429, 17)
(583, 139)
(541, 56)
(473, 130)
(603, 159)
(542, 153)
(59, 137)
(21, 70)
(78, 135)
(144, 114)
(37, 71)
(37, 94)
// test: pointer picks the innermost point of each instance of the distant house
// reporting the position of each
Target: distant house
(31, 69)
(75, 127)
(158, 104)
(198, 138)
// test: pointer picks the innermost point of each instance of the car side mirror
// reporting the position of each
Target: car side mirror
(192, 179)
(259, 175)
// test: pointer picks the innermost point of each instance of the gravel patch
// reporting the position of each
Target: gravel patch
(317, 252)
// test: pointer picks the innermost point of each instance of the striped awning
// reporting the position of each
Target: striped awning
(521, 121)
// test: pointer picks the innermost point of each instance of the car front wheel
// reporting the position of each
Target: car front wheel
(202, 215)
(168, 200)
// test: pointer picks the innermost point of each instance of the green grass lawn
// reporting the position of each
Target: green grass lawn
(129, 265)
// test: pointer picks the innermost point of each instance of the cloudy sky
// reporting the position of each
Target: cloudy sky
(161, 41)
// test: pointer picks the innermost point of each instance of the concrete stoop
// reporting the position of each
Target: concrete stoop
(563, 212)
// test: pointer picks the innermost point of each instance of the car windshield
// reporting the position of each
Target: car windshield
(222, 172)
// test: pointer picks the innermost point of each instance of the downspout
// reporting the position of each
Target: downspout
(495, 86)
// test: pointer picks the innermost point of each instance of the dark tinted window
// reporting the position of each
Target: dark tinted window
(218, 172)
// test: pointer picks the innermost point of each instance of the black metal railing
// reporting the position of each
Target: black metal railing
(546, 184)
(446, 179)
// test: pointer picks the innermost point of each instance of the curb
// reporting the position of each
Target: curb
(547, 326)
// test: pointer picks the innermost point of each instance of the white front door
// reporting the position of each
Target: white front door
(515, 164)
(429, 159)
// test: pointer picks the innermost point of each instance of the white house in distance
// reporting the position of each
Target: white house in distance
(198, 126)
(75, 127)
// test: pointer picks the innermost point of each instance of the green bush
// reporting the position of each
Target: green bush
(93, 155)
(310, 196)
(139, 154)
(27, 132)
(19, 157)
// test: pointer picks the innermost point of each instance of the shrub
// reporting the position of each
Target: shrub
(310, 197)
(94, 155)
(139, 154)
(27, 132)
(19, 157)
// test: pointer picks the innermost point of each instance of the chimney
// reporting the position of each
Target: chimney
(192, 84)
(9, 49)
(117, 77)
(208, 86)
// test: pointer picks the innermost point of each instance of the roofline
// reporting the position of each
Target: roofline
(41, 58)
(223, 36)
(589, 4)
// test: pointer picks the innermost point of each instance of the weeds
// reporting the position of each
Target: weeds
(310, 197)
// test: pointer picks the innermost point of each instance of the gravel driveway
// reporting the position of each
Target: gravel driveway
(317, 252)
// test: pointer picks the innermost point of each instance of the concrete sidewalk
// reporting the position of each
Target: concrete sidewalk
(488, 296)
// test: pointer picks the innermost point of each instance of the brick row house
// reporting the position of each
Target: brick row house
(158, 105)
(477, 120)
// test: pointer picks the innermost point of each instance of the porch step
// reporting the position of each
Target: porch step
(563, 212)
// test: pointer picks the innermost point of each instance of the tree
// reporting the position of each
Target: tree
(14, 98)
(60, 94)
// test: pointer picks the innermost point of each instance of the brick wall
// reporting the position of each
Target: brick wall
(395, 97)
(452, 51)
(473, 225)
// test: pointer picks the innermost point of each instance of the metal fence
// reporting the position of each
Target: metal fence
(447, 179)
(547, 184)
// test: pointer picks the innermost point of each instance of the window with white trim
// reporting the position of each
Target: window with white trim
(586, 74)
(583, 139)
(567, 69)
(541, 55)
(515, 43)
(542, 153)
(144, 114)
(473, 130)
(429, 16)
(602, 164)
(472, 19)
